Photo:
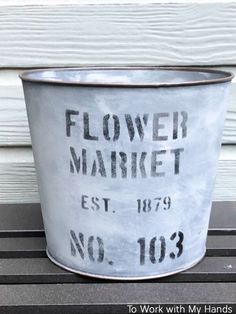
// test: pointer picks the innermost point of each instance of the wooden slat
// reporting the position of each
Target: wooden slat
(148, 293)
(221, 245)
(24, 247)
(109, 308)
(42, 270)
(21, 247)
(164, 34)
(19, 220)
(223, 218)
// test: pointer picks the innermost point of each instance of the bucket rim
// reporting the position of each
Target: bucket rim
(227, 76)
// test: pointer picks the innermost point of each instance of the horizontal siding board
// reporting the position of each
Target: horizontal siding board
(18, 182)
(17, 176)
(63, 2)
(160, 33)
(14, 130)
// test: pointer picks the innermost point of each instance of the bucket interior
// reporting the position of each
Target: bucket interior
(135, 76)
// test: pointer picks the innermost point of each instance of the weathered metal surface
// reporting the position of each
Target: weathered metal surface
(126, 161)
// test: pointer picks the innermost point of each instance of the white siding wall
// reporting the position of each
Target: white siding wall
(65, 33)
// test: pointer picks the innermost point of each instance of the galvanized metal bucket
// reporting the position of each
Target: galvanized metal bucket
(126, 161)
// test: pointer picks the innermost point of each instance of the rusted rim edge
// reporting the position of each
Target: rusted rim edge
(228, 76)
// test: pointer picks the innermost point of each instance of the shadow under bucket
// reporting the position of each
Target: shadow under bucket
(126, 162)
